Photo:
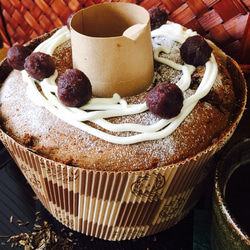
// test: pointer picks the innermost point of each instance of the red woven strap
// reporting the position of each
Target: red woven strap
(225, 22)
(244, 53)
(26, 19)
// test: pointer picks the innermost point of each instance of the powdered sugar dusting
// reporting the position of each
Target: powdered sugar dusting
(78, 116)
(58, 140)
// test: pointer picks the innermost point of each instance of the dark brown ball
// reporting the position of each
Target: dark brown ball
(165, 100)
(74, 88)
(39, 65)
(158, 17)
(195, 51)
(16, 56)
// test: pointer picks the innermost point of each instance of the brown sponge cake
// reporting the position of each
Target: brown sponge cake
(57, 140)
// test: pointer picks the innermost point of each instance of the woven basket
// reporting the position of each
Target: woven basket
(225, 22)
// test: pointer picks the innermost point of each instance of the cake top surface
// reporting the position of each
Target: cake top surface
(139, 139)
(98, 110)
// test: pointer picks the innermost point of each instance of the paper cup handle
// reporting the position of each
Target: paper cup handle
(134, 31)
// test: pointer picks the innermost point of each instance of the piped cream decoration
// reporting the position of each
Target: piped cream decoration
(100, 108)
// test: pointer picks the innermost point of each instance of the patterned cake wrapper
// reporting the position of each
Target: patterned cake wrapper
(113, 205)
(123, 205)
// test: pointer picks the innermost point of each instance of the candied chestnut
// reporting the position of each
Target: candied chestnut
(158, 16)
(39, 65)
(74, 88)
(16, 56)
(195, 51)
(165, 100)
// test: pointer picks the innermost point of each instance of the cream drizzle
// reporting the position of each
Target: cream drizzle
(100, 108)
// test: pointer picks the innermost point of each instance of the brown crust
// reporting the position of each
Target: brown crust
(54, 141)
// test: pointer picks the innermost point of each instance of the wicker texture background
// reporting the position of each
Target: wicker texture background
(225, 22)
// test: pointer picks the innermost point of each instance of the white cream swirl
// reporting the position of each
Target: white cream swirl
(97, 110)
